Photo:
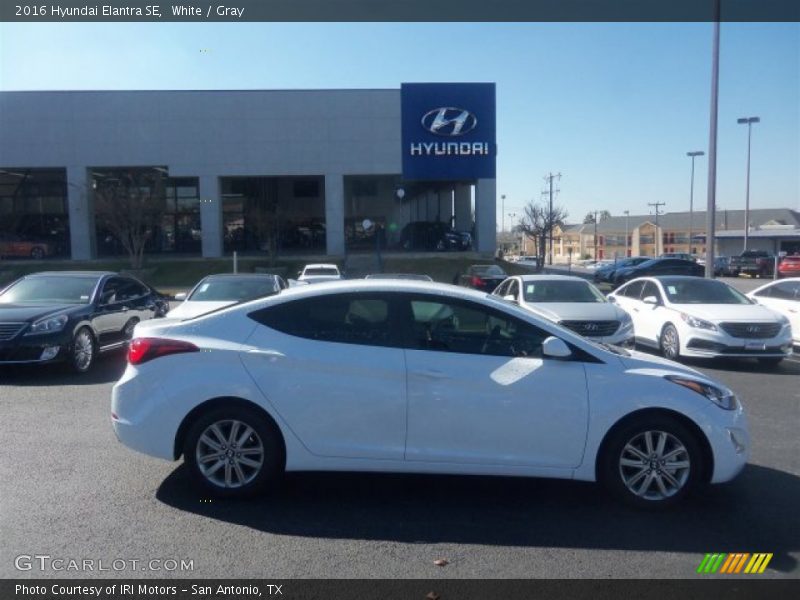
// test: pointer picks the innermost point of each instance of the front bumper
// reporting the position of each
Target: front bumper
(717, 344)
(35, 349)
(728, 436)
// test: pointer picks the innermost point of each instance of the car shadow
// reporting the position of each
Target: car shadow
(107, 369)
(757, 512)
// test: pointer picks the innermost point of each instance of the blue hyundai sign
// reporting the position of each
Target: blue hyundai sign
(448, 131)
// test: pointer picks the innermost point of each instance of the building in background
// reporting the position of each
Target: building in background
(772, 229)
(318, 171)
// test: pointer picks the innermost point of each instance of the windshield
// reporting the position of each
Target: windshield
(491, 270)
(50, 290)
(561, 291)
(320, 271)
(233, 290)
(701, 291)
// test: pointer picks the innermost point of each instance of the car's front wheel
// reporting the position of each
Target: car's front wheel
(652, 462)
(83, 351)
(234, 452)
(670, 342)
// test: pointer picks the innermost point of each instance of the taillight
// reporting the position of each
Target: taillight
(141, 350)
(477, 281)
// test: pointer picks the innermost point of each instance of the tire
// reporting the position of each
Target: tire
(234, 473)
(37, 253)
(83, 351)
(669, 342)
(770, 361)
(655, 479)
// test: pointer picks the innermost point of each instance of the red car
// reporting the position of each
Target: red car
(789, 266)
(16, 246)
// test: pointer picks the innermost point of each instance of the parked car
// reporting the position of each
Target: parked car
(782, 297)
(482, 277)
(659, 266)
(606, 273)
(72, 316)
(318, 273)
(415, 377)
(722, 266)
(755, 263)
(13, 245)
(433, 235)
(681, 255)
(789, 266)
(572, 302)
(528, 261)
(217, 291)
(407, 276)
(693, 317)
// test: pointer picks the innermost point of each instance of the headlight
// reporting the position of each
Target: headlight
(626, 322)
(698, 323)
(48, 325)
(721, 398)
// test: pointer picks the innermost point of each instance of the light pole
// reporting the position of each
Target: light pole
(511, 215)
(692, 155)
(749, 122)
(627, 214)
(503, 213)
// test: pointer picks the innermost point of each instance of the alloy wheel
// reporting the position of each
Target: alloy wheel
(654, 465)
(669, 342)
(229, 454)
(83, 350)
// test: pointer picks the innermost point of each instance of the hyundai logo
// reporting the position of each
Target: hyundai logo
(753, 329)
(449, 121)
(590, 327)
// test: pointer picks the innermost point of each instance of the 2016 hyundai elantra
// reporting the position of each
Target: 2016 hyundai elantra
(407, 376)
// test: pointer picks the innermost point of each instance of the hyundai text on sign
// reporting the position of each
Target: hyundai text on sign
(448, 131)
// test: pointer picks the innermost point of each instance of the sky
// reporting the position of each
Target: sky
(612, 107)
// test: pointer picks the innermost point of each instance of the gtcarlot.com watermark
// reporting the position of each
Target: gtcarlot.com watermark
(46, 562)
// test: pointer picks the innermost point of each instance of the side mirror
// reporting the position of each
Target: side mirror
(611, 299)
(510, 297)
(650, 300)
(554, 347)
(180, 296)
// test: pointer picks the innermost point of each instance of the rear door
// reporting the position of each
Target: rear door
(333, 368)
(112, 311)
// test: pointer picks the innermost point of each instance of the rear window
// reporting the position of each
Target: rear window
(320, 271)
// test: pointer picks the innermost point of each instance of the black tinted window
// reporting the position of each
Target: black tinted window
(633, 290)
(130, 289)
(650, 289)
(788, 290)
(345, 318)
(467, 328)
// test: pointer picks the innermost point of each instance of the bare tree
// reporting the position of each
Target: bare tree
(130, 204)
(537, 223)
(602, 215)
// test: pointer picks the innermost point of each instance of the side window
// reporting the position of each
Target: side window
(787, 290)
(651, 289)
(502, 289)
(513, 289)
(130, 289)
(110, 292)
(468, 328)
(766, 292)
(344, 318)
(633, 290)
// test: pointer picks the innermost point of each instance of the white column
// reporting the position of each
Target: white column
(211, 215)
(80, 203)
(463, 208)
(334, 213)
(486, 215)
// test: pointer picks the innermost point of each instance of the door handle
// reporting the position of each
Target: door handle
(432, 374)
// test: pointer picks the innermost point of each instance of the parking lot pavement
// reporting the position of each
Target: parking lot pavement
(70, 490)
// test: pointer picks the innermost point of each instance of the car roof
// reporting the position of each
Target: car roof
(550, 278)
(240, 276)
(321, 266)
(84, 274)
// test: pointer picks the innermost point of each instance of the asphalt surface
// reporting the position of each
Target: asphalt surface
(70, 490)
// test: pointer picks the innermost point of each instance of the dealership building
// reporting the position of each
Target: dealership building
(310, 171)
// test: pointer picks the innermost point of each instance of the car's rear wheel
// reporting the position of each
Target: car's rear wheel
(670, 342)
(652, 462)
(83, 350)
(233, 452)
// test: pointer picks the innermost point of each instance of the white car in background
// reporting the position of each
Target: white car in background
(218, 291)
(318, 273)
(703, 318)
(572, 302)
(419, 377)
(782, 296)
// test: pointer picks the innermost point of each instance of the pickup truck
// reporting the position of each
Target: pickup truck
(756, 263)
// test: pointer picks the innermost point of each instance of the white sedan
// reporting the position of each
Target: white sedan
(691, 316)
(218, 291)
(572, 302)
(782, 296)
(405, 376)
(318, 273)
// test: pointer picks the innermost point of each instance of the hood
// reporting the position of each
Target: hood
(577, 311)
(189, 309)
(320, 278)
(642, 360)
(728, 312)
(33, 312)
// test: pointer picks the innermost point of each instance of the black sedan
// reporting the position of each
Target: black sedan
(606, 273)
(482, 277)
(659, 266)
(72, 316)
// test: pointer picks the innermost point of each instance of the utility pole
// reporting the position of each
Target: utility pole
(627, 214)
(749, 122)
(712, 147)
(502, 214)
(595, 234)
(692, 155)
(656, 206)
(549, 179)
